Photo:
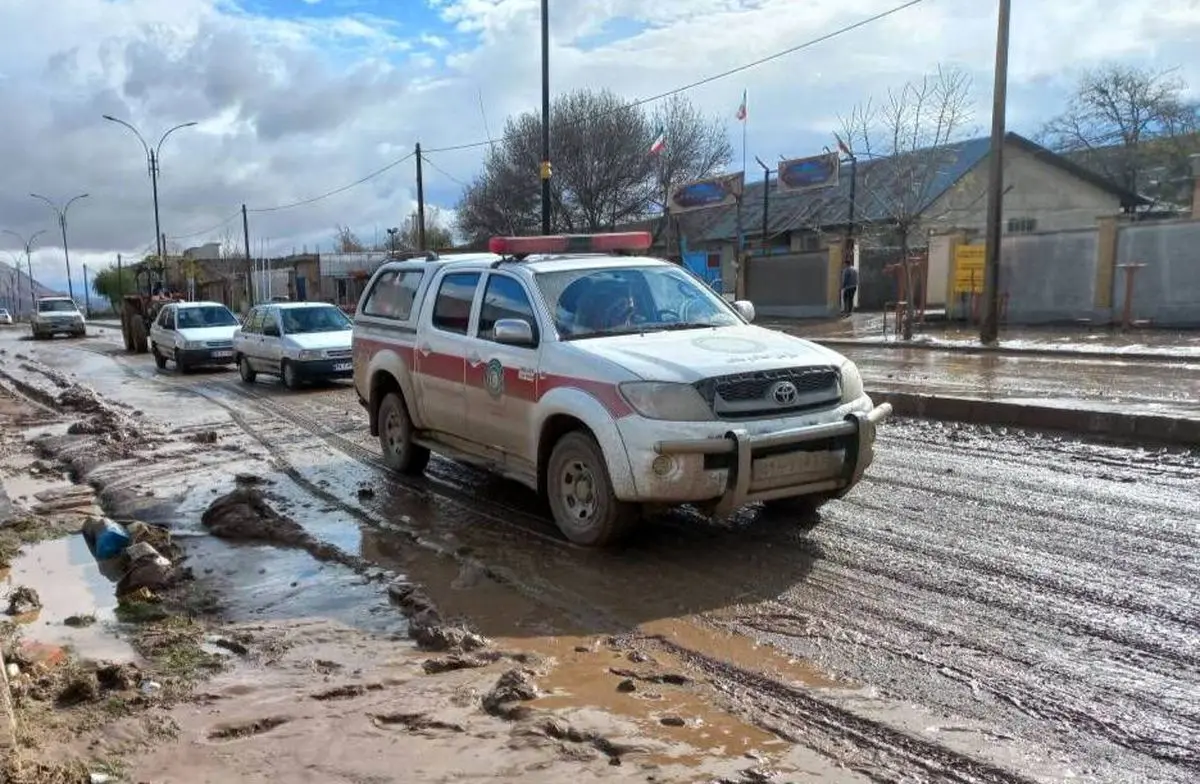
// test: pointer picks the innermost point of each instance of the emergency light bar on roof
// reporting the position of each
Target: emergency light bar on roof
(571, 243)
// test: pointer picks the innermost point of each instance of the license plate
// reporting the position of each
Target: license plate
(222, 354)
(341, 366)
(796, 467)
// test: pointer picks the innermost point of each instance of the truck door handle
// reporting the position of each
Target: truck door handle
(424, 349)
(474, 359)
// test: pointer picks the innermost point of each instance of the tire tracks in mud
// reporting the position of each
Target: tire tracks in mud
(850, 608)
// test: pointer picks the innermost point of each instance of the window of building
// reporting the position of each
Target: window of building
(393, 295)
(504, 298)
(452, 310)
(1022, 225)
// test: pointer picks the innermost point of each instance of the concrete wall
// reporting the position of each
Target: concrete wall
(1049, 277)
(1167, 290)
(794, 285)
(1057, 200)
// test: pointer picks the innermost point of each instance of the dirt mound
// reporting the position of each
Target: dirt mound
(79, 399)
(514, 687)
(23, 600)
(245, 515)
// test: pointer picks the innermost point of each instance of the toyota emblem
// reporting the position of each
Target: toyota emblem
(784, 393)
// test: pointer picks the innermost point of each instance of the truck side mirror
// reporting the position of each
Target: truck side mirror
(745, 309)
(514, 332)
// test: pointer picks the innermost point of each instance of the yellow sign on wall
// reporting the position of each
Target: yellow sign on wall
(968, 269)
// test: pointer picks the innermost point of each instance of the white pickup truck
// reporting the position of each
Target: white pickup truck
(605, 381)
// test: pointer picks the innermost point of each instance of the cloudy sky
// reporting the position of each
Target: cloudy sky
(294, 98)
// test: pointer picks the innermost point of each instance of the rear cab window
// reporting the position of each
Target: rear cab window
(455, 296)
(393, 295)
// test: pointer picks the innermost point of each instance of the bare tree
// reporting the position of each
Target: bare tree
(437, 232)
(604, 172)
(911, 133)
(1133, 126)
(346, 241)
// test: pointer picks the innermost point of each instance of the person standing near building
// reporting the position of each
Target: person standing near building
(849, 287)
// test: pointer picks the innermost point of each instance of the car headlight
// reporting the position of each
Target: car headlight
(672, 402)
(307, 356)
(852, 383)
(193, 344)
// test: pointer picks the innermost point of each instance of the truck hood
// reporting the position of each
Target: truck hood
(691, 355)
(318, 341)
(206, 334)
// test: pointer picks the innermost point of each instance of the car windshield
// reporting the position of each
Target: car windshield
(206, 316)
(314, 319)
(56, 306)
(610, 301)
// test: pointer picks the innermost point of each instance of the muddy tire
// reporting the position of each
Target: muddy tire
(159, 360)
(289, 375)
(246, 372)
(396, 433)
(581, 495)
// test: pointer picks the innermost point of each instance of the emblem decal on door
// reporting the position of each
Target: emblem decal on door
(493, 378)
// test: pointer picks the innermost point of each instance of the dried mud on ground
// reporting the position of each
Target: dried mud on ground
(206, 700)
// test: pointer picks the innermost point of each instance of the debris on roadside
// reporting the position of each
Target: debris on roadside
(205, 437)
(79, 621)
(23, 600)
(514, 687)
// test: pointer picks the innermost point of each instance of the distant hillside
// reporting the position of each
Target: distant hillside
(19, 288)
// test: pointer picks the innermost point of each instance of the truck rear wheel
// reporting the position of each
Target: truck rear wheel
(396, 437)
(581, 493)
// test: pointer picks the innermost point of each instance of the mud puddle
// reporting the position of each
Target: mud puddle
(78, 603)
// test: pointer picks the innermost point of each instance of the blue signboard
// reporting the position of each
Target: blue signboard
(802, 174)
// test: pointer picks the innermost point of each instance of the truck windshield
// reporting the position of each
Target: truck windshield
(319, 318)
(56, 306)
(614, 300)
(209, 316)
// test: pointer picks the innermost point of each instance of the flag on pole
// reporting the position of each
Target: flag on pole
(660, 142)
(845, 148)
(741, 112)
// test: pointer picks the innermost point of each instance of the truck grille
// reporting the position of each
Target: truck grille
(219, 344)
(338, 353)
(769, 393)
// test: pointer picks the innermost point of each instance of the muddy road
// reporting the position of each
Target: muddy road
(987, 607)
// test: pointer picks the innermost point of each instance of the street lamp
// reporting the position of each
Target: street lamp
(153, 155)
(28, 244)
(392, 239)
(62, 224)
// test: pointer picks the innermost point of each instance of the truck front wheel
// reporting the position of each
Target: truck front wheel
(581, 495)
(396, 437)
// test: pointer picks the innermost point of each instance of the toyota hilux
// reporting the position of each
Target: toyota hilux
(609, 382)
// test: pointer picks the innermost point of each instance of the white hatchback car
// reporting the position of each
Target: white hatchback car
(193, 334)
(297, 341)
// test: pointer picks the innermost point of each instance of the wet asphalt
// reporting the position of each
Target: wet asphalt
(986, 606)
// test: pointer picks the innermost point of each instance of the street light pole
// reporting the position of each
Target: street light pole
(545, 171)
(28, 243)
(990, 331)
(62, 224)
(153, 154)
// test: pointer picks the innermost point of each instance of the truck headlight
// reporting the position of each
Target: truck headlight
(852, 383)
(667, 401)
(193, 344)
(308, 356)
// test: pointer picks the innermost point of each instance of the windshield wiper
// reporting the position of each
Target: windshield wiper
(672, 327)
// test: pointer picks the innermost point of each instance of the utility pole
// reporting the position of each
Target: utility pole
(249, 261)
(61, 212)
(766, 201)
(120, 284)
(153, 154)
(87, 299)
(545, 170)
(420, 203)
(989, 333)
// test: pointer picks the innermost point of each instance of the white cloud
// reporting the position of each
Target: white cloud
(290, 108)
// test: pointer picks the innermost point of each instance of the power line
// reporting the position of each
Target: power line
(205, 231)
(443, 172)
(722, 75)
(335, 191)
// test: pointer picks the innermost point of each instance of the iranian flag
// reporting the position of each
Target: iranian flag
(660, 142)
(741, 112)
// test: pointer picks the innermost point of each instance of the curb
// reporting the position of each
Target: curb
(1142, 428)
(1103, 356)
